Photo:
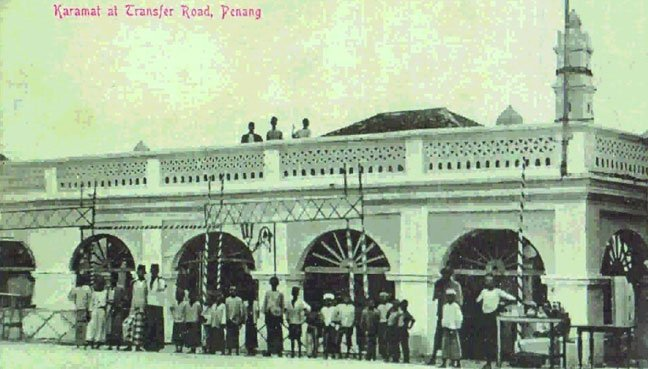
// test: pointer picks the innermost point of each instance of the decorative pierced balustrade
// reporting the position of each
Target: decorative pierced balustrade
(620, 155)
(113, 172)
(330, 157)
(478, 153)
(245, 163)
(490, 152)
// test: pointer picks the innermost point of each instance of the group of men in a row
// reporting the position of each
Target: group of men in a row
(274, 133)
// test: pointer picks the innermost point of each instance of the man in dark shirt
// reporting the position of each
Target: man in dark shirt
(440, 286)
(369, 325)
(251, 137)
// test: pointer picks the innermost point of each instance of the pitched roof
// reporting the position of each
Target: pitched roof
(406, 121)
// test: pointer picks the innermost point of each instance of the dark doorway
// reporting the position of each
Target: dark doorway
(236, 265)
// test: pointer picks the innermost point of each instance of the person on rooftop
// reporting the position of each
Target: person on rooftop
(304, 132)
(251, 137)
(274, 133)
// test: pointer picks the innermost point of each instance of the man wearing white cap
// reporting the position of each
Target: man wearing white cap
(383, 308)
(444, 283)
(451, 323)
(330, 328)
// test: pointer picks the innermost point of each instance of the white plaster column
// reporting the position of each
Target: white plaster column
(51, 184)
(271, 166)
(153, 177)
(413, 279)
(570, 283)
(570, 263)
(577, 153)
(414, 157)
(152, 247)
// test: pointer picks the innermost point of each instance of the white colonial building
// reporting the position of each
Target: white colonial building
(438, 189)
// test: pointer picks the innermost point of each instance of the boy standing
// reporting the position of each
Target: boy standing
(405, 323)
(178, 311)
(369, 325)
(451, 323)
(235, 318)
(296, 317)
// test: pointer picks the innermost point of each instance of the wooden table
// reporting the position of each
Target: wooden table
(606, 328)
(530, 320)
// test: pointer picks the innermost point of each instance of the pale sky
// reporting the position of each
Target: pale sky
(91, 86)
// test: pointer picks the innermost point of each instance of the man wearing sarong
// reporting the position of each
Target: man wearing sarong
(444, 283)
(155, 311)
(138, 308)
(235, 318)
(80, 295)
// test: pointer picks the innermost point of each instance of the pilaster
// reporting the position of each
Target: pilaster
(152, 246)
(414, 157)
(412, 283)
(271, 166)
(153, 177)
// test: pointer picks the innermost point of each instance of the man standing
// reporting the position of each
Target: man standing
(274, 133)
(490, 298)
(273, 309)
(251, 137)
(329, 336)
(235, 318)
(155, 311)
(296, 317)
(446, 282)
(80, 296)
(383, 308)
(345, 316)
(304, 132)
(138, 307)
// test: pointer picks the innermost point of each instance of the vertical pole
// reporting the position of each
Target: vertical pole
(92, 231)
(565, 74)
(520, 250)
(349, 245)
(205, 255)
(219, 248)
(363, 239)
(274, 246)
(345, 180)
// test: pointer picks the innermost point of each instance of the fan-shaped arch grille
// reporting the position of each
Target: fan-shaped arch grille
(340, 251)
(625, 255)
(493, 251)
(102, 253)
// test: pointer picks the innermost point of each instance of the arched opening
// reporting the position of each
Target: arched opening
(330, 258)
(16, 281)
(237, 262)
(103, 254)
(492, 251)
(624, 262)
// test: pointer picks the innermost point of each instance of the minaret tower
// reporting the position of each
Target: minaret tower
(577, 68)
